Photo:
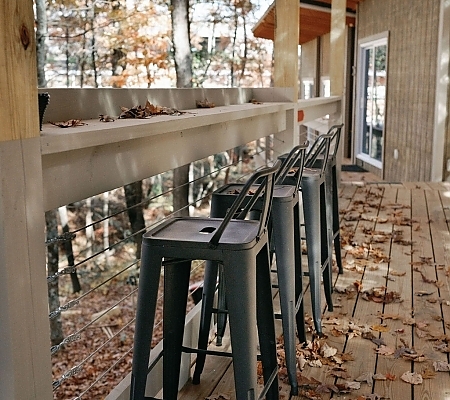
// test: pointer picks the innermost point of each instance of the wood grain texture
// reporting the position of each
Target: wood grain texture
(18, 80)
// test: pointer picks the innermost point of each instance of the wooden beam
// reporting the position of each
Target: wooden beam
(24, 328)
(337, 47)
(286, 45)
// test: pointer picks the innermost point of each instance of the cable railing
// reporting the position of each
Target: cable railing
(94, 349)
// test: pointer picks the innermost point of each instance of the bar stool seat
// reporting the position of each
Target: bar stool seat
(241, 246)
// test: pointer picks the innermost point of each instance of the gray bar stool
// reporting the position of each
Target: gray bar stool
(318, 225)
(331, 180)
(241, 246)
(285, 235)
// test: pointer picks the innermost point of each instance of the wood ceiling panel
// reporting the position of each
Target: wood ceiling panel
(313, 22)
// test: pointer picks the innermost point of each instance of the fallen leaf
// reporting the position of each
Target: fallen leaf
(428, 373)
(327, 388)
(339, 373)
(441, 366)
(421, 293)
(327, 351)
(366, 377)
(413, 378)
(379, 377)
(391, 377)
(353, 385)
(385, 351)
(388, 316)
(421, 325)
(347, 357)
(204, 104)
(105, 118)
(379, 341)
(380, 328)
(301, 362)
(71, 123)
(315, 363)
(409, 321)
(396, 273)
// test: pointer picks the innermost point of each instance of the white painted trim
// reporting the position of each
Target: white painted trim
(369, 160)
(441, 108)
(25, 364)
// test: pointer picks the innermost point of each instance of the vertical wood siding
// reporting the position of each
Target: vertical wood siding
(412, 54)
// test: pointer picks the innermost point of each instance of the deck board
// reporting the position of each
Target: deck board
(417, 267)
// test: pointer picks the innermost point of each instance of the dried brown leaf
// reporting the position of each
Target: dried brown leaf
(71, 123)
(441, 366)
(366, 377)
(385, 350)
(414, 378)
(380, 328)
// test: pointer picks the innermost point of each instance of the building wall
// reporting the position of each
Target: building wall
(412, 54)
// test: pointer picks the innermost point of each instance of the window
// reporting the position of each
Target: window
(372, 81)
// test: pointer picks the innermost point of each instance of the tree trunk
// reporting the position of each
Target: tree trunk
(183, 66)
(76, 286)
(181, 42)
(134, 196)
(181, 191)
(41, 34)
(56, 333)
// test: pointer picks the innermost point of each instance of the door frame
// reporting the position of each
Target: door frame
(360, 117)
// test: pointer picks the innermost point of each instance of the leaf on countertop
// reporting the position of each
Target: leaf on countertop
(71, 123)
(204, 104)
(105, 118)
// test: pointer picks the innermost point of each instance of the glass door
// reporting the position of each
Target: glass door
(372, 99)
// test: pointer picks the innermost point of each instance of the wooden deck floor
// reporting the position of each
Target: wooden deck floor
(392, 304)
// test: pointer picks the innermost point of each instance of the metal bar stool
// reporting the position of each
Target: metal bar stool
(285, 235)
(318, 226)
(241, 246)
(331, 182)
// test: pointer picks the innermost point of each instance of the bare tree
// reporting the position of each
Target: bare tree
(183, 66)
(41, 34)
(56, 332)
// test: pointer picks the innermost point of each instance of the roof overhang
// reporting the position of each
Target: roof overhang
(315, 19)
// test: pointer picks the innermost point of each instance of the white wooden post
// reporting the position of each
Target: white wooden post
(286, 38)
(25, 367)
(337, 66)
(337, 47)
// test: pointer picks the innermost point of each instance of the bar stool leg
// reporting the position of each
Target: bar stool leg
(283, 234)
(240, 288)
(325, 231)
(221, 307)
(311, 212)
(150, 273)
(176, 288)
(300, 312)
(336, 225)
(209, 287)
(266, 323)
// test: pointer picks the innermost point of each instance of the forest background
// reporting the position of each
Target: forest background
(129, 43)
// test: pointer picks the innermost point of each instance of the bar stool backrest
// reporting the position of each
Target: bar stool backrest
(266, 182)
(296, 157)
(335, 132)
(319, 152)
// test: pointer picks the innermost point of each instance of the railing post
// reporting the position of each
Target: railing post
(25, 369)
